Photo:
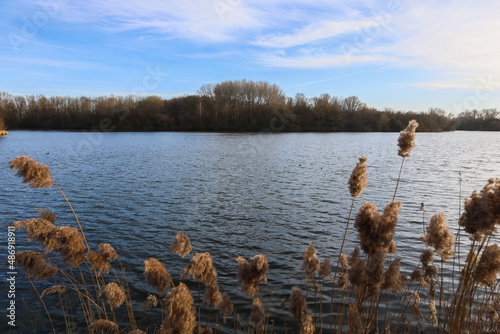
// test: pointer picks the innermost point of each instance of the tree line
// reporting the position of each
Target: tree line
(238, 105)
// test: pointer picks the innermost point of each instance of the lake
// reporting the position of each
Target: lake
(238, 194)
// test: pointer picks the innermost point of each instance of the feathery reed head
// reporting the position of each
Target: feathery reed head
(53, 289)
(180, 316)
(98, 262)
(482, 211)
(181, 244)
(46, 214)
(298, 307)
(41, 230)
(344, 261)
(104, 327)
(252, 272)
(439, 236)
(157, 275)
(108, 252)
(375, 272)
(36, 174)
(150, 302)
(115, 294)
(226, 306)
(406, 140)
(393, 279)
(357, 271)
(355, 325)
(310, 261)
(34, 265)
(489, 266)
(376, 230)
(427, 257)
(201, 267)
(258, 313)
(343, 282)
(432, 311)
(358, 180)
(325, 269)
(416, 275)
(307, 326)
(72, 245)
(212, 296)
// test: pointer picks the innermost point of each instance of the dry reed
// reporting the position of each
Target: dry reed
(251, 273)
(35, 174)
(201, 267)
(181, 244)
(179, 316)
(104, 327)
(115, 295)
(406, 140)
(439, 236)
(157, 275)
(358, 180)
(34, 265)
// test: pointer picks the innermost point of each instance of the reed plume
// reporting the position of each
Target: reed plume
(72, 245)
(482, 211)
(53, 289)
(358, 180)
(310, 261)
(355, 325)
(213, 296)
(376, 230)
(258, 314)
(439, 236)
(180, 316)
(108, 252)
(432, 311)
(394, 280)
(201, 267)
(46, 214)
(375, 272)
(251, 273)
(104, 327)
(298, 307)
(406, 140)
(357, 270)
(325, 269)
(307, 326)
(115, 295)
(488, 266)
(33, 264)
(36, 174)
(226, 306)
(40, 230)
(98, 262)
(150, 302)
(157, 275)
(181, 244)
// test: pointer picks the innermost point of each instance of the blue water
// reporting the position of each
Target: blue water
(235, 195)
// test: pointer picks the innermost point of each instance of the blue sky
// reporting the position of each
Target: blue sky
(399, 54)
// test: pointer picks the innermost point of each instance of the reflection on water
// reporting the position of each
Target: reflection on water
(240, 194)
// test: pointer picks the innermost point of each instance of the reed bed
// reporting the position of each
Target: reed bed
(91, 284)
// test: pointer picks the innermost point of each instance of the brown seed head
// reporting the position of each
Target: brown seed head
(376, 230)
(36, 174)
(482, 211)
(344, 261)
(488, 266)
(46, 214)
(406, 140)
(180, 316)
(416, 275)
(393, 280)
(358, 179)
(98, 262)
(213, 296)
(104, 327)
(355, 325)
(258, 313)
(34, 265)
(53, 289)
(307, 326)
(150, 302)
(343, 282)
(325, 269)
(375, 273)
(427, 257)
(251, 273)
(181, 244)
(72, 245)
(201, 267)
(357, 271)
(432, 311)
(310, 261)
(41, 230)
(226, 306)
(108, 252)
(439, 236)
(157, 275)
(298, 306)
(115, 294)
